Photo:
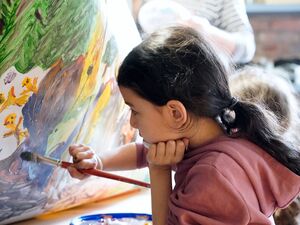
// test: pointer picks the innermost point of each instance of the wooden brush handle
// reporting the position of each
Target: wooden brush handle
(100, 173)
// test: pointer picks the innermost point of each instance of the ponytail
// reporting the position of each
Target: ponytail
(256, 125)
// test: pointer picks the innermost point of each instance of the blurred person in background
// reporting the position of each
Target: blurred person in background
(224, 22)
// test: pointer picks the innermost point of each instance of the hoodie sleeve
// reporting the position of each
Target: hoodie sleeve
(207, 198)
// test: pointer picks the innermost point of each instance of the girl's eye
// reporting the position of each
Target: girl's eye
(133, 112)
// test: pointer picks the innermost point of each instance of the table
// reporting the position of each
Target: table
(135, 201)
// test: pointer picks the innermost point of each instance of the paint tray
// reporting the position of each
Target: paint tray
(114, 219)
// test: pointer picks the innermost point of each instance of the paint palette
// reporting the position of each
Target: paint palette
(114, 219)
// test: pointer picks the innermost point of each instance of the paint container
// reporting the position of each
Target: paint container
(114, 219)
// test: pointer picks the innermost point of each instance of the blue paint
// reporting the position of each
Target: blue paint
(100, 217)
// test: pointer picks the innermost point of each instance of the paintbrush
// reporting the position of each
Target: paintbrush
(33, 157)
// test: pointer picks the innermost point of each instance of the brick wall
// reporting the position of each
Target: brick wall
(277, 35)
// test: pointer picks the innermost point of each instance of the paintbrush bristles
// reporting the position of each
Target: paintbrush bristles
(34, 157)
(29, 156)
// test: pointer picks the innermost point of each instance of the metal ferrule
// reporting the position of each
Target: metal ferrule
(50, 161)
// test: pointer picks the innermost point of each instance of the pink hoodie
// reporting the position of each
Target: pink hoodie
(228, 182)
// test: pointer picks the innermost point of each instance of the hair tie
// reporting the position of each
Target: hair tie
(227, 118)
(233, 102)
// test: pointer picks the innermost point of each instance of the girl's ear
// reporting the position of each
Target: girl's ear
(177, 114)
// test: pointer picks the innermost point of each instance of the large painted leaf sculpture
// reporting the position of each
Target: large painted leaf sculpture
(58, 63)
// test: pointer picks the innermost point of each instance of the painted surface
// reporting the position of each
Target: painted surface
(58, 63)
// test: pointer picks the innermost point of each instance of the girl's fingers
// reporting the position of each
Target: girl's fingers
(83, 157)
(167, 153)
(180, 147)
(74, 149)
(80, 152)
(179, 152)
(160, 150)
(186, 143)
(76, 174)
(171, 148)
(86, 164)
(87, 154)
(151, 153)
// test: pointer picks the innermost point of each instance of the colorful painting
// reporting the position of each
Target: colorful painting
(58, 64)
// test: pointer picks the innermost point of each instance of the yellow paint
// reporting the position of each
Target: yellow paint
(89, 78)
(30, 85)
(13, 100)
(10, 123)
(2, 98)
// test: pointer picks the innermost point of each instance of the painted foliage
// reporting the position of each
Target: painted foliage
(58, 63)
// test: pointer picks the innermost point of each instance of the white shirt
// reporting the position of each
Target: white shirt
(227, 15)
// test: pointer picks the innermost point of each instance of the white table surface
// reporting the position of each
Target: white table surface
(137, 201)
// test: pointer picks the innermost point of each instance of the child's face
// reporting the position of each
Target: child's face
(148, 118)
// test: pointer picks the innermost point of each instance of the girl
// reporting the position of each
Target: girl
(231, 166)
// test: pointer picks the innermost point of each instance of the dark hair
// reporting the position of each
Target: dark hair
(177, 63)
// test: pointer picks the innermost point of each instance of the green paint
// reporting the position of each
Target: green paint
(110, 51)
(8, 16)
(39, 32)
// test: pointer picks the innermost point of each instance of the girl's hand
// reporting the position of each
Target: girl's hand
(83, 158)
(166, 154)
